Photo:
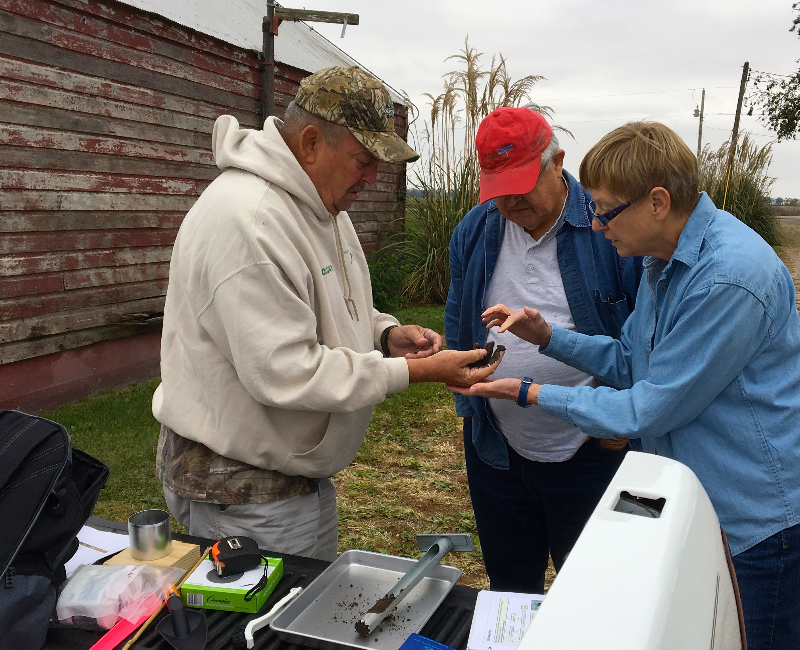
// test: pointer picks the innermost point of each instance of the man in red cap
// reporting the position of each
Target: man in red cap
(534, 479)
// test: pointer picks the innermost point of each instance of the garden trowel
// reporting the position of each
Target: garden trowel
(437, 546)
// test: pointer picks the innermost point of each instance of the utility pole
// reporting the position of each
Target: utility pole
(700, 131)
(268, 72)
(735, 135)
(269, 26)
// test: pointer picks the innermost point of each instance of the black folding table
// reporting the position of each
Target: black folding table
(450, 623)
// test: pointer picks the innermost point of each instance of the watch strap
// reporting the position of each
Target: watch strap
(385, 341)
(522, 399)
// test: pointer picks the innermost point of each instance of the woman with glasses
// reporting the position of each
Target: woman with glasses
(707, 370)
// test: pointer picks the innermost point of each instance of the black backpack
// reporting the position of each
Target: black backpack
(47, 492)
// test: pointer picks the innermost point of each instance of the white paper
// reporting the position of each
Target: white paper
(501, 618)
(245, 581)
(94, 544)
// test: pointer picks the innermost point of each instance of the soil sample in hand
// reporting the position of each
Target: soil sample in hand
(492, 355)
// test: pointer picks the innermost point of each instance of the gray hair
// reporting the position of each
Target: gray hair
(298, 118)
(547, 154)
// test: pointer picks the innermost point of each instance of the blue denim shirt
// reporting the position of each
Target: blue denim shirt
(600, 288)
(708, 368)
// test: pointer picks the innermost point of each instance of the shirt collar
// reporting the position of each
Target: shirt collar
(694, 231)
(577, 214)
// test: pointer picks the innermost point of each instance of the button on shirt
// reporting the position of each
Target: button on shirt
(527, 274)
(710, 358)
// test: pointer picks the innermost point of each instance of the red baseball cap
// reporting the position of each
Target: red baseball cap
(510, 143)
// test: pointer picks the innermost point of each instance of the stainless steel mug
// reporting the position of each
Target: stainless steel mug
(149, 534)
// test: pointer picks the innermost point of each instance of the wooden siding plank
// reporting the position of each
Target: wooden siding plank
(369, 196)
(114, 275)
(29, 285)
(20, 350)
(67, 40)
(290, 72)
(77, 319)
(86, 220)
(29, 49)
(391, 168)
(57, 118)
(159, 26)
(84, 240)
(26, 307)
(36, 136)
(33, 158)
(44, 200)
(372, 206)
(91, 25)
(32, 179)
(35, 263)
(26, 93)
(45, 75)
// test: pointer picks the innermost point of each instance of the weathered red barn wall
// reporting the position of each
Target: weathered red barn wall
(106, 115)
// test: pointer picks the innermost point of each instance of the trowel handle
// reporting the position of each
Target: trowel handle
(431, 558)
(180, 622)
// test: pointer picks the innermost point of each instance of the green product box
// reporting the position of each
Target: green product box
(204, 588)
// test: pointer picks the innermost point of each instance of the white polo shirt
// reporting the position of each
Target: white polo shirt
(527, 275)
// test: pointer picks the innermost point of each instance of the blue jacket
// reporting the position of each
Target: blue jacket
(711, 361)
(600, 286)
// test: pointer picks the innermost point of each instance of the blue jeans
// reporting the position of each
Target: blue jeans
(769, 584)
(534, 510)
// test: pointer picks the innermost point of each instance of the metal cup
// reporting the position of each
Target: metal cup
(149, 534)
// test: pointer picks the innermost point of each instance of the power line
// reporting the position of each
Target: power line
(648, 92)
(763, 135)
(772, 74)
(621, 119)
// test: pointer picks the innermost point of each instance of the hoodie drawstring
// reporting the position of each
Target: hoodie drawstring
(348, 299)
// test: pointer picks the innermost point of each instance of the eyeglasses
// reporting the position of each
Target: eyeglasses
(607, 216)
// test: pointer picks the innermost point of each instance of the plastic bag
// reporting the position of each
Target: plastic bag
(109, 593)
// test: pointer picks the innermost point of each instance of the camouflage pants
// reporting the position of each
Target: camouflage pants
(306, 525)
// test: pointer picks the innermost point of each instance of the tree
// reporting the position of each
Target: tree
(779, 96)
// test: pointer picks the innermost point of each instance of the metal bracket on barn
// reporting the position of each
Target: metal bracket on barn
(275, 16)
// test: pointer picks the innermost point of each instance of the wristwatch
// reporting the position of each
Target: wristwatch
(522, 400)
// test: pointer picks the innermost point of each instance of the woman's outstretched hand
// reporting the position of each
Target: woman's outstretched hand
(528, 324)
(507, 388)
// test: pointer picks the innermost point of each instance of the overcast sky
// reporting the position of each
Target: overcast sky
(605, 62)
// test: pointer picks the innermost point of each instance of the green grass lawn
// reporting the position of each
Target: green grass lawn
(118, 428)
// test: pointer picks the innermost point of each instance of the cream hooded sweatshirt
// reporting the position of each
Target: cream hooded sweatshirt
(269, 345)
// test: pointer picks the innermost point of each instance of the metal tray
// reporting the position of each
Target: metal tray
(325, 614)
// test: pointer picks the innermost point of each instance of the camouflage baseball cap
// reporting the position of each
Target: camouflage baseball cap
(359, 101)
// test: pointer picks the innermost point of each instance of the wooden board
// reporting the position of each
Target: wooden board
(44, 75)
(35, 158)
(183, 555)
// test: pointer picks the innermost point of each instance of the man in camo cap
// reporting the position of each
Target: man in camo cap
(352, 98)
(272, 354)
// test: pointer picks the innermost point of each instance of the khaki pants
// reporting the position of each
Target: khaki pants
(306, 525)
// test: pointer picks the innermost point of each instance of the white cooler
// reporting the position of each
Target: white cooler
(649, 571)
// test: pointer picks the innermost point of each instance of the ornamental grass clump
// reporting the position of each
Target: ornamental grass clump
(748, 188)
(445, 185)
(446, 193)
